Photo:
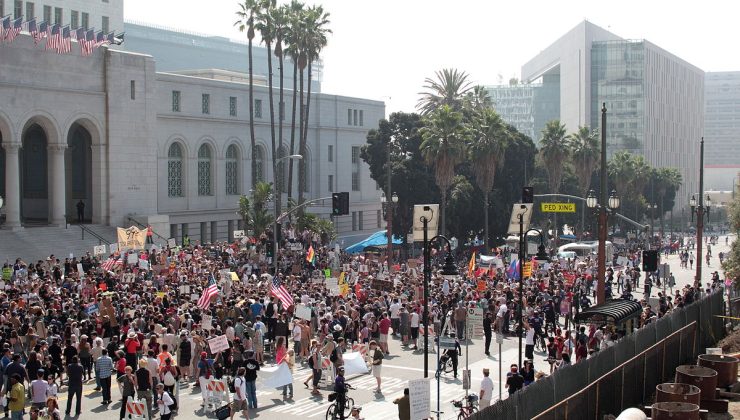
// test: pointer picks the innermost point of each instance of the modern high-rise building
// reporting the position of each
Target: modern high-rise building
(654, 100)
(721, 129)
(528, 106)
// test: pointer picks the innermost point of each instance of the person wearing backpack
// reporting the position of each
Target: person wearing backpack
(205, 372)
(168, 375)
(165, 403)
(240, 394)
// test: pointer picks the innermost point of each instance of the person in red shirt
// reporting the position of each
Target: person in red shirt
(132, 345)
(383, 327)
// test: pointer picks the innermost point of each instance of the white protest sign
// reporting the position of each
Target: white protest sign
(132, 258)
(207, 321)
(80, 269)
(218, 343)
(277, 376)
(238, 234)
(419, 399)
(302, 311)
(354, 363)
(194, 296)
(184, 289)
(99, 250)
(113, 248)
(171, 243)
(295, 246)
(128, 277)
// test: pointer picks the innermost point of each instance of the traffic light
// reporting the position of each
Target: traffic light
(527, 195)
(340, 203)
(650, 260)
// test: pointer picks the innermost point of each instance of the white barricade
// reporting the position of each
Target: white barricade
(136, 409)
(327, 373)
(217, 392)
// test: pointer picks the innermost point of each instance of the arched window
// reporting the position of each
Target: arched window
(174, 170)
(232, 170)
(204, 170)
(259, 163)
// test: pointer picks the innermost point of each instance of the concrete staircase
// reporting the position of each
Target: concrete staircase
(33, 243)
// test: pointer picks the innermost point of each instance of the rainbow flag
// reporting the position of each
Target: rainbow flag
(471, 265)
(310, 255)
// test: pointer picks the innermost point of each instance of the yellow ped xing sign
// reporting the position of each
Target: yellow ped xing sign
(558, 207)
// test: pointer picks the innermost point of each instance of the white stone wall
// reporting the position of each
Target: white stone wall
(95, 9)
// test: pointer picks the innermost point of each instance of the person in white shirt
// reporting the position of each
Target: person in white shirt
(164, 401)
(296, 334)
(240, 394)
(414, 327)
(486, 389)
(395, 317)
(39, 387)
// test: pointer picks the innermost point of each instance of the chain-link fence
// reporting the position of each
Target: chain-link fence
(621, 376)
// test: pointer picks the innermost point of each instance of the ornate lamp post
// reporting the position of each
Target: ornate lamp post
(388, 209)
(612, 203)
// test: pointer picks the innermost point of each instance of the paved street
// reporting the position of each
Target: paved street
(398, 368)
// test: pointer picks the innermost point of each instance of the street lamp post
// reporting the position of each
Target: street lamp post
(601, 274)
(541, 256)
(699, 215)
(611, 203)
(275, 246)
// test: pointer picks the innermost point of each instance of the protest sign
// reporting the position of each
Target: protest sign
(131, 238)
(302, 311)
(354, 363)
(99, 250)
(419, 399)
(92, 309)
(218, 343)
(277, 376)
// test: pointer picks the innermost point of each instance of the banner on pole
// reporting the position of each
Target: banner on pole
(131, 238)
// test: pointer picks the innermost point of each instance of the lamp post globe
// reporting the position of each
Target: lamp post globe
(394, 198)
(692, 202)
(614, 200)
(591, 201)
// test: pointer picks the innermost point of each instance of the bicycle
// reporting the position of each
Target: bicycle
(349, 402)
(466, 410)
(445, 366)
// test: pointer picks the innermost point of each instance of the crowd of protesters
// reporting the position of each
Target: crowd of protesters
(139, 318)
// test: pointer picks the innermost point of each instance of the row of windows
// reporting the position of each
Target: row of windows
(205, 170)
(206, 105)
(355, 117)
(77, 19)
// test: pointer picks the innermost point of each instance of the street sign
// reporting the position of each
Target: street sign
(519, 209)
(499, 338)
(430, 212)
(446, 343)
(474, 323)
(558, 207)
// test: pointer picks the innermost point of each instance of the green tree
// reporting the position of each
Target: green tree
(449, 88)
(443, 147)
(293, 39)
(246, 13)
(585, 153)
(486, 155)
(254, 210)
(731, 264)
(412, 179)
(554, 151)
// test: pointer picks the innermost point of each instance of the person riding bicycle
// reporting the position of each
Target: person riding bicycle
(451, 354)
(340, 387)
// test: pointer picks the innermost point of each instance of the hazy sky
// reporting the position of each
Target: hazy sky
(384, 49)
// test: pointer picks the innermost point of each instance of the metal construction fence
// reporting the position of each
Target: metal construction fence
(624, 375)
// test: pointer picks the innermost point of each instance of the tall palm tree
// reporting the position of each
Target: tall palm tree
(264, 24)
(449, 88)
(315, 40)
(486, 154)
(246, 13)
(293, 37)
(553, 152)
(585, 153)
(279, 17)
(443, 148)
(477, 99)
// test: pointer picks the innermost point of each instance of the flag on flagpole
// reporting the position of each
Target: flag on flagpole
(278, 290)
(99, 39)
(4, 26)
(33, 28)
(87, 42)
(13, 28)
(110, 38)
(471, 265)
(65, 45)
(41, 32)
(209, 292)
(343, 285)
(310, 255)
(513, 271)
(54, 37)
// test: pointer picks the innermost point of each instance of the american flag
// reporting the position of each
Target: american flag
(99, 38)
(65, 45)
(88, 42)
(278, 290)
(4, 26)
(13, 29)
(54, 37)
(210, 291)
(110, 38)
(42, 30)
(111, 263)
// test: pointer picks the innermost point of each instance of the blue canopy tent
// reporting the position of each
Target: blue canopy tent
(377, 239)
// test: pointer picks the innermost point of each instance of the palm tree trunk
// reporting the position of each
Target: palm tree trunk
(308, 102)
(485, 219)
(301, 144)
(292, 129)
(443, 213)
(272, 121)
(253, 141)
(281, 115)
